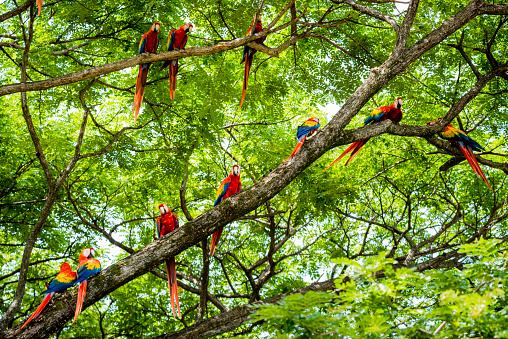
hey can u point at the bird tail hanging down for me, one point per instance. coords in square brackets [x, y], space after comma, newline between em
[39, 309]
[215, 240]
[39, 4]
[140, 89]
[81, 298]
[471, 159]
[172, 284]
[248, 63]
[297, 147]
[173, 71]
[354, 148]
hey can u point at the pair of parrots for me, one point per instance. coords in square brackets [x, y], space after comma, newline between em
[87, 267]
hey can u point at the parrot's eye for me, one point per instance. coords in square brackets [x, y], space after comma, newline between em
[86, 252]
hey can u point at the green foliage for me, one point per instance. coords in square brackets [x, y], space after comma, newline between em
[380, 299]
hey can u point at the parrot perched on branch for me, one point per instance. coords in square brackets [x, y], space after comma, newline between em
[64, 280]
[166, 223]
[466, 145]
[228, 187]
[248, 53]
[391, 112]
[304, 131]
[88, 267]
[148, 44]
[177, 40]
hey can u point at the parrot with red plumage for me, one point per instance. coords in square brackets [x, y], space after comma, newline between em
[466, 145]
[148, 44]
[228, 187]
[248, 53]
[304, 131]
[166, 223]
[177, 40]
[392, 112]
[64, 280]
[87, 267]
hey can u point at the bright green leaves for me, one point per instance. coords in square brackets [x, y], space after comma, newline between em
[377, 300]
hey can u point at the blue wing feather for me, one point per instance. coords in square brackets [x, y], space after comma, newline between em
[304, 130]
[221, 194]
[158, 223]
[172, 42]
[142, 47]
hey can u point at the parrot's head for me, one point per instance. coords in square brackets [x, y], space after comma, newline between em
[258, 17]
[163, 208]
[65, 267]
[156, 26]
[87, 253]
[316, 120]
[188, 27]
[398, 103]
[236, 170]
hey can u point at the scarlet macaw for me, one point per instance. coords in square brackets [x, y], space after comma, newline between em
[148, 44]
[466, 145]
[177, 40]
[304, 130]
[248, 53]
[64, 280]
[228, 187]
[166, 223]
[88, 267]
[391, 112]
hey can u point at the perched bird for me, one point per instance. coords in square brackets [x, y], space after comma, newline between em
[391, 112]
[304, 130]
[248, 53]
[39, 4]
[88, 267]
[166, 223]
[64, 280]
[177, 40]
[148, 44]
[466, 145]
[228, 187]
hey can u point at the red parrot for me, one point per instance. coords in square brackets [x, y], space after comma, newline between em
[391, 112]
[148, 44]
[39, 4]
[228, 187]
[166, 223]
[466, 145]
[88, 267]
[303, 132]
[64, 280]
[248, 53]
[177, 40]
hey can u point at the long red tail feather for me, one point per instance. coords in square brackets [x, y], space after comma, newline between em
[39, 4]
[81, 298]
[215, 240]
[39, 309]
[297, 148]
[140, 90]
[173, 71]
[351, 147]
[172, 284]
[471, 159]
[356, 150]
[248, 63]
